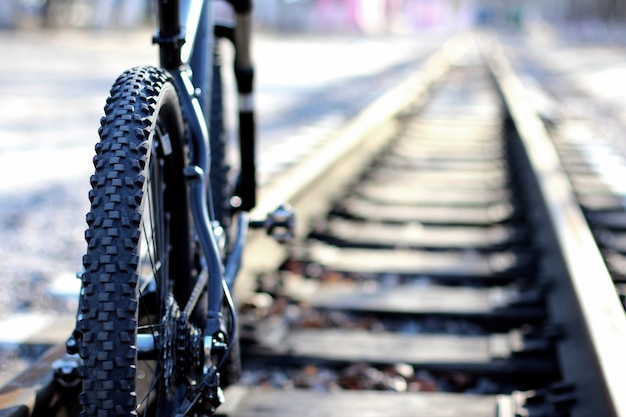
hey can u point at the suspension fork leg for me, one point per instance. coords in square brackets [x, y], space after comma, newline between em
[244, 74]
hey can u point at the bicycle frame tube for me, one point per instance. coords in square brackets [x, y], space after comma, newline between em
[180, 21]
[194, 15]
[186, 38]
[199, 191]
[200, 52]
[169, 35]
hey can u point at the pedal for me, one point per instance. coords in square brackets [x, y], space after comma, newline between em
[280, 224]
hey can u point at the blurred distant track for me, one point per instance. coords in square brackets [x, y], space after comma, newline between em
[445, 266]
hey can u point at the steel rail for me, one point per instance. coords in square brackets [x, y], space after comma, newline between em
[594, 342]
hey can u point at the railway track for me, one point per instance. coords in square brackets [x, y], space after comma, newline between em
[444, 268]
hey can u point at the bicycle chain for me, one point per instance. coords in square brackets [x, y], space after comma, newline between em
[172, 313]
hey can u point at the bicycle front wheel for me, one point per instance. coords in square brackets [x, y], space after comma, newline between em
[141, 256]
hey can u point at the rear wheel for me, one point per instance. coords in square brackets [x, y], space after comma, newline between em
[141, 256]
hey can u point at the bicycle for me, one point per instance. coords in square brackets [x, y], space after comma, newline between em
[156, 324]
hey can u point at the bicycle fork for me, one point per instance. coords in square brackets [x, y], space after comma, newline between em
[207, 396]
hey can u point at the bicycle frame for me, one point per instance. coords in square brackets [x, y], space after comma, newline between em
[190, 65]
[181, 20]
[200, 319]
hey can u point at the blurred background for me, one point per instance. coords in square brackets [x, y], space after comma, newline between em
[361, 16]
[319, 62]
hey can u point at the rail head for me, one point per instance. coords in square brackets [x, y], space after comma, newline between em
[595, 339]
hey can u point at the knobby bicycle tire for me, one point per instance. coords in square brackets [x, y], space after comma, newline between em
[141, 253]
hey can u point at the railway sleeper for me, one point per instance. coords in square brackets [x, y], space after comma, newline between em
[352, 207]
[554, 401]
[444, 266]
[508, 354]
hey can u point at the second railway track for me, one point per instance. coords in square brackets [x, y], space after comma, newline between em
[442, 270]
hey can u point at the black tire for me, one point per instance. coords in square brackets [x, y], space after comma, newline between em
[140, 252]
